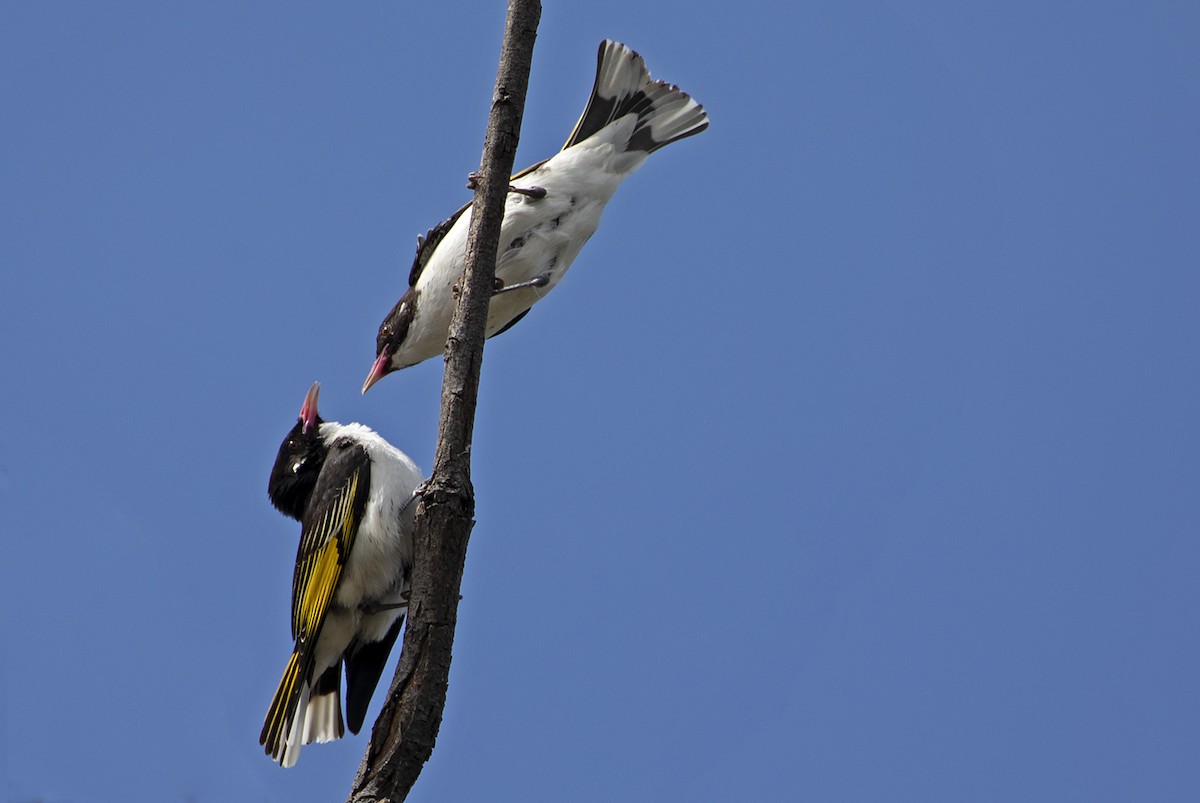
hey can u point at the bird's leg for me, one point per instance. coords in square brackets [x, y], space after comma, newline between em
[379, 607]
[540, 280]
[536, 193]
[497, 286]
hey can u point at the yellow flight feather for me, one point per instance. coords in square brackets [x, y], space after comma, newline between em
[318, 570]
[321, 565]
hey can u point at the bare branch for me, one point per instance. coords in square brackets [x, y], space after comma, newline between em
[403, 737]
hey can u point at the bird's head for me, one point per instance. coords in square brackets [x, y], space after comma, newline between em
[299, 461]
[389, 343]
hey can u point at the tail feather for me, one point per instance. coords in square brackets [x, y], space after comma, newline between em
[280, 728]
[323, 715]
[623, 86]
[300, 712]
[364, 665]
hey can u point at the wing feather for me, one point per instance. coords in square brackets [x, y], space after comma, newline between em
[327, 535]
[428, 243]
[324, 546]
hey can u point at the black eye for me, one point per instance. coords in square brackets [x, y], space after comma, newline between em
[291, 444]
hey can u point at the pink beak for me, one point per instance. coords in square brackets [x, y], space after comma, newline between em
[308, 413]
[379, 370]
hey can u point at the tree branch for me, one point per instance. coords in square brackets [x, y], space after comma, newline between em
[404, 734]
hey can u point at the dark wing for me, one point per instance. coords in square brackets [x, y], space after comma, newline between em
[427, 242]
[326, 538]
[329, 527]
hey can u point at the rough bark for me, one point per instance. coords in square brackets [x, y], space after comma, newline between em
[403, 737]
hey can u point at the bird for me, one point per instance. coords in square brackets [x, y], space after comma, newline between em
[353, 494]
[551, 210]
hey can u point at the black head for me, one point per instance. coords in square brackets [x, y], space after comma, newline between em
[390, 338]
[299, 462]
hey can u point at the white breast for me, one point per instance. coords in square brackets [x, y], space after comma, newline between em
[539, 236]
[383, 546]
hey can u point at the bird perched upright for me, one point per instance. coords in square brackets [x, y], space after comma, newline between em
[551, 211]
[352, 493]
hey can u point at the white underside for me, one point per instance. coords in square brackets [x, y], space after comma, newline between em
[579, 182]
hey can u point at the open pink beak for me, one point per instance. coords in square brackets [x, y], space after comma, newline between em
[308, 413]
[379, 370]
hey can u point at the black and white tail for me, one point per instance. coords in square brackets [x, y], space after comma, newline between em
[623, 86]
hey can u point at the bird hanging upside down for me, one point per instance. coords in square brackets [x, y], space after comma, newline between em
[551, 211]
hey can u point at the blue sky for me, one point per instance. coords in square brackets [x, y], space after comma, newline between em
[856, 459]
